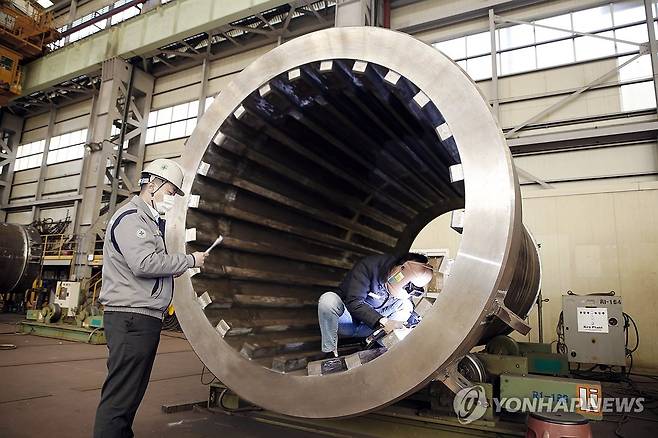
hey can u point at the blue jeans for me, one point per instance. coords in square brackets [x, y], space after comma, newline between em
[336, 321]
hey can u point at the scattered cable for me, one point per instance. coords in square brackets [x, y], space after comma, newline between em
[92, 334]
[628, 318]
[561, 346]
[624, 419]
[51, 226]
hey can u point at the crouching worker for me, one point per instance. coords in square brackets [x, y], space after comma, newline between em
[373, 295]
[137, 289]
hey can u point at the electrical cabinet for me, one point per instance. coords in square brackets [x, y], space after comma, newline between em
[594, 329]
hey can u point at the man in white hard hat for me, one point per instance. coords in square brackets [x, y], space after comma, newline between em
[137, 288]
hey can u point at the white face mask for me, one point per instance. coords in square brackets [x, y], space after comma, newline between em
[165, 205]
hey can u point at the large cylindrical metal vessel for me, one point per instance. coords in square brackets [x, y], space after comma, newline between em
[20, 257]
[336, 145]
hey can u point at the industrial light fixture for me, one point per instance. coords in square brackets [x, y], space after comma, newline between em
[45, 3]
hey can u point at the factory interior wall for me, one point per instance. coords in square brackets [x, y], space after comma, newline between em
[60, 179]
[177, 88]
[595, 236]
[519, 95]
[64, 178]
[597, 226]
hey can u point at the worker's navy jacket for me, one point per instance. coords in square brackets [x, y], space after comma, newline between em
[363, 289]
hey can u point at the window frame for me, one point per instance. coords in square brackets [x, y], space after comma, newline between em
[572, 37]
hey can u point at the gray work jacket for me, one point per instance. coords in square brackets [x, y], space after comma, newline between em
[137, 270]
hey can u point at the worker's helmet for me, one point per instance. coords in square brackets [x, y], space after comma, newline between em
[410, 275]
[167, 170]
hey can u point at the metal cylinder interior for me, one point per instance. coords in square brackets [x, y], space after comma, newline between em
[20, 256]
[329, 148]
[322, 167]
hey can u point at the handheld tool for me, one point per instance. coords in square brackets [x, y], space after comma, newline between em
[214, 244]
[380, 333]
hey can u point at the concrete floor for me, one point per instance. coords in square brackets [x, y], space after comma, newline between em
[51, 388]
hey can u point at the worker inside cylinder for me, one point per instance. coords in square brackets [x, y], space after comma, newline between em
[375, 301]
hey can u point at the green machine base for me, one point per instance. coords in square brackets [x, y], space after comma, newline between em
[67, 332]
[398, 420]
[557, 394]
[503, 352]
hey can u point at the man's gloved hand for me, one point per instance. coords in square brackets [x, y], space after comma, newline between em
[390, 325]
[199, 258]
[414, 319]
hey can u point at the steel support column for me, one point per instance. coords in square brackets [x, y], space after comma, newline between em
[203, 89]
[104, 167]
[494, 65]
[653, 46]
[44, 162]
[358, 13]
[11, 127]
[73, 9]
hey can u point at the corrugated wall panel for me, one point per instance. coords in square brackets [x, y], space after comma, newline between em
[23, 191]
[237, 62]
[177, 80]
[592, 163]
[167, 149]
[25, 176]
[73, 110]
[174, 97]
[217, 84]
[589, 104]
[60, 185]
[19, 217]
[35, 122]
[70, 125]
[64, 169]
[34, 135]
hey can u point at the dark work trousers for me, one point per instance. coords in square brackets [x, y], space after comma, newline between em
[133, 341]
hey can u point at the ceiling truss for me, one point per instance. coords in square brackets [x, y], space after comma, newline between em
[273, 26]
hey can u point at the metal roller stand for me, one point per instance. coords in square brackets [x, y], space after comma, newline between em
[335, 145]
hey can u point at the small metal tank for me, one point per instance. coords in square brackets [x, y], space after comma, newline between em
[20, 256]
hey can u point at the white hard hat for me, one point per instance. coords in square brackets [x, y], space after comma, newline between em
[168, 170]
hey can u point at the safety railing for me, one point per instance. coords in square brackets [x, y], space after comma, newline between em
[95, 283]
[24, 21]
[59, 245]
